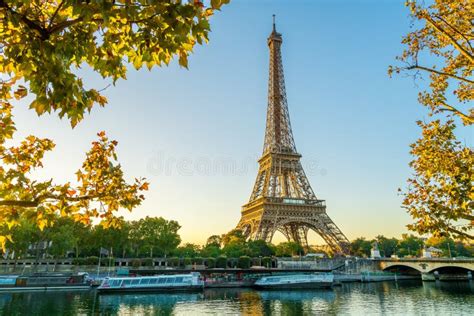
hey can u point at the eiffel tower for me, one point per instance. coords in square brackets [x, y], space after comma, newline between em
[282, 198]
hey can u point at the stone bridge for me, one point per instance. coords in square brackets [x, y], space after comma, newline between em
[430, 268]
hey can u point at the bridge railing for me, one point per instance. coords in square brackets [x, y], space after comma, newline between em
[444, 260]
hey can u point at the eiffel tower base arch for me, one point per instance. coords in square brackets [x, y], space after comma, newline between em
[294, 222]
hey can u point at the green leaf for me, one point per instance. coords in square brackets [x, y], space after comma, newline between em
[183, 60]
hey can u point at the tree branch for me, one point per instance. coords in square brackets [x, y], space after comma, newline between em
[29, 23]
[460, 233]
[143, 20]
[61, 26]
[440, 73]
[19, 203]
[451, 38]
[468, 217]
[454, 29]
[36, 202]
[45, 33]
[451, 108]
[55, 13]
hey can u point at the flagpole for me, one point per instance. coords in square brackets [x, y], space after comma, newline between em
[98, 266]
[111, 255]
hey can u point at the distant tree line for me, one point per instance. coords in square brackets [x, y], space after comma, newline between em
[411, 246]
[157, 237]
[145, 238]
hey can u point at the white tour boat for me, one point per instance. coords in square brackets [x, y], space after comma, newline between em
[172, 282]
[296, 281]
[45, 282]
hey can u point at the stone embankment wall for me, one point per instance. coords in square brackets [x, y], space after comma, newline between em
[343, 265]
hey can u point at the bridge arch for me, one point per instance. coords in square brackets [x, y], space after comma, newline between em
[451, 268]
[428, 265]
[403, 269]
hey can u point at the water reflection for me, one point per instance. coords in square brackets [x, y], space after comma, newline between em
[45, 303]
[298, 302]
[356, 298]
[142, 304]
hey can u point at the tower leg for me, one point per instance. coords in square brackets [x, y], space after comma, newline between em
[296, 233]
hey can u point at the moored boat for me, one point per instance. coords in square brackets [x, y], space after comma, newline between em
[157, 283]
[44, 282]
[296, 281]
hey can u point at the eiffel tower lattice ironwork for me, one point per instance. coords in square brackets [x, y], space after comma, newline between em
[282, 198]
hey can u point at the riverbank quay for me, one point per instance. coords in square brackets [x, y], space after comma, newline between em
[350, 269]
[90, 264]
[240, 278]
[245, 278]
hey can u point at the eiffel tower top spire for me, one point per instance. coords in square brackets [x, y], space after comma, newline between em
[278, 134]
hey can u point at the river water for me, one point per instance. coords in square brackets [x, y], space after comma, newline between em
[388, 298]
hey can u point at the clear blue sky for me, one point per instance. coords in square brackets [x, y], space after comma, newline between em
[181, 128]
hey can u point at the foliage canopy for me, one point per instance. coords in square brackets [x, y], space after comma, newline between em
[43, 43]
[440, 194]
[440, 197]
[446, 34]
[100, 189]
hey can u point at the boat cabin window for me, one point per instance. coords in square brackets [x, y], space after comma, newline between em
[52, 281]
[7, 281]
[179, 280]
[170, 280]
[153, 281]
[145, 281]
[162, 280]
[127, 282]
[47, 280]
[115, 283]
[135, 282]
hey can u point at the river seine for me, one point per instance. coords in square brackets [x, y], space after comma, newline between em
[388, 298]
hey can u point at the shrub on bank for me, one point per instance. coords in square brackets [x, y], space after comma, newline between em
[244, 262]
[173, 262]
[211, 263]
[136, 263]
[221, 262]
[79, 261]
[187, 261]
[197, 260]
[91, 261]
[267, 262]
[256, 261]
[148, 262]
[107, 261]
